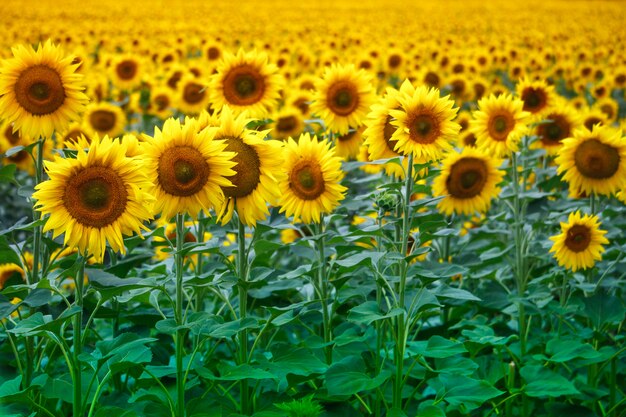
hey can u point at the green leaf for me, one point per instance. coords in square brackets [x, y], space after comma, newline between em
[463, 393]
[429, 410]
[342, 378]
[60, 389]
[439, 347]
[542, 382]
[7, 173]
[566, 350]
[236, 373]
[604, 308]
[368, 312]
[7, 254]
[359, 258]
[455, 293]
[10, 387]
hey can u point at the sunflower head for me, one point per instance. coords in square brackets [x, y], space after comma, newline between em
[103, 118]
[579, 245]
[537, 96]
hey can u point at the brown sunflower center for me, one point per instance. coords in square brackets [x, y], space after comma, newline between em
[182, 171]
[394, 61]
[578, 238]
[342, 98]
[247, 171]
[173, 80]
[244, 85]
[592, 121]
[347, 137]
[432, 79]
[469, 140]
[554, 131]
[535, 99]
[12, 137]
[193, 93]
[467, 178]
[95, 196]
[596, 160]
[306, 180]
[102, 120]
[189, 237]
[39, 90]
[162, 102]
[286, 124]
[74, 134]
[388, 131]
[126, 69]
[500, 126]
[213, 53]
[423, 127]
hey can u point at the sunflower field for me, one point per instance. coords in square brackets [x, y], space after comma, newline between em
[312, 209]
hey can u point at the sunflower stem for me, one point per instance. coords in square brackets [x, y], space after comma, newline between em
[199, 264]
[323, 288]
[401, 319]
[378, 324]
[77, 337]
[180, 333]
[37, 214]
[242, 265]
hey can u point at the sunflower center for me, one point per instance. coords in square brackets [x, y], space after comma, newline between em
[470, 140]
[423, 128]
[286, 124]
[590, 122]
[347, 137]
[596, 160]
[247, 171]
[244, 85]
[213, 53]
[39, 90]
[388, 131]
[553, 132]
[193, 93]
[578, 238]
[95, 196]
[12, 137]
[500, 126]
[534, 99]
[102, 120]
[467, 178]
[182, 171]
[306, 180]
[126, 69]
[342, 98]
[162, 102]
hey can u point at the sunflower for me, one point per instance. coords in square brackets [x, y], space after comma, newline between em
[246, 81]
[468, 181]
[311, 185]
[186, 167]
[193, 95]
[609, 107]
[126, 72]
[161, 102]
[72, 134]
[594, 161]
[9, 270]
[537, 96]
[161, 253]
[40, 91]
[499, 124]
[559, 123]
[104, 119]
[288, 122]
[257, 172]
[424, 124]
[343, 97]
[594, 116]
[95, 198]
[347, 146]
[579, 245]
[10, 139]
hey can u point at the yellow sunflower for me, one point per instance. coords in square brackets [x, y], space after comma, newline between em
[288, 122]
[594, 161]
[499, 124]
[186, 167]
[193, 95]
[40, 91]
[559, 123]
[347, 146]
[579, 245]
[126, 71]
[95, 198]
[161, 253]
[343, 97]
[104, 119]
[10, 139]
[537, 96]
[311, 185]
[425, 126]
[161, 102]
[71, 135]
[257, 172]
[246, 81]
[468, 181]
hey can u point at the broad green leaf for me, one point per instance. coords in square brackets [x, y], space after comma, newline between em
[343, 377]
[359, 258]
[7, 254]
[439, 347]
[429, 410]
[542, 382]
[235, 373]
[566, 350]
[463, 393]
[604, 308]
[368, 312]
[10, 387]
[455, 293]
[7, 173]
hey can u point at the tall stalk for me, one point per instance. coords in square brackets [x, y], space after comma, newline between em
[180, 333]
[242, 275]
[78, 337]
[322, 284]
[401, 336]
[37, 215]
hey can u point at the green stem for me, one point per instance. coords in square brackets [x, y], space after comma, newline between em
[323, 288]
[180, 333]
[401, 319]
[242, 265]
[37, 215]
[77, 338]
[613, 386]
[199, 264]
[379, 324]
[97, 393]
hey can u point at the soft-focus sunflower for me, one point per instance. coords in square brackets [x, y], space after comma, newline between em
[594, 161]
[579, 245]
[468, 181]
[537, 96]
[126, 72]
[609, 107]
[187, 169]
[71, 135]
[288, 122]
[342, 98]
[10, 139]
[193, 95]
[161, 102]
[95, 198]
[594, 116]
[467, 139]
[104, 119]
[257, 172]
[246, 81]
[40, 91]
[559, 123]
[499, 124]
[347, 146]
[425, 126]
[311, 185]
[7, 271]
